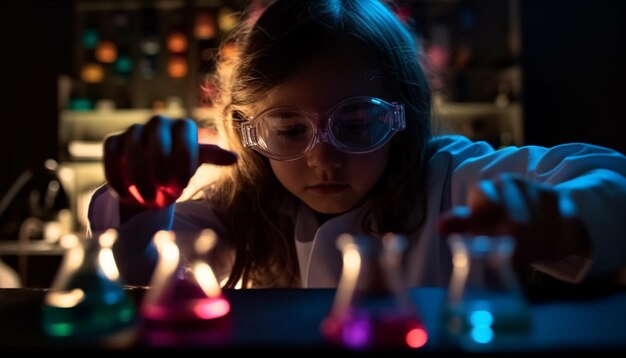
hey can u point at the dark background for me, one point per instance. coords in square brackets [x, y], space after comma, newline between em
[574, 71]
[35, 50]
[573, 58]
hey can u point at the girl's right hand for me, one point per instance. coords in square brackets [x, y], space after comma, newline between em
[149, 165]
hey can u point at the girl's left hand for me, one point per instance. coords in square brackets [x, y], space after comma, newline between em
[529, 212]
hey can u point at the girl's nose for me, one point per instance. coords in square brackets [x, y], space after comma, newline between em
[324, 156]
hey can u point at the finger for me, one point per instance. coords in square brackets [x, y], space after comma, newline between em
[486, 212]
[517, 199]
[138, 170]
[185, 152]
[485, 206]
[531, 217]
[551, 222]
[114, 165]
[481, 209]
[454, 220]
[158, 139]
[213, 154]
[483, 195]
[540, 232]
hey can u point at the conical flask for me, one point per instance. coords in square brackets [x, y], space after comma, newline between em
[485, 304]
[372, 307]
[184, 304]
[87, 301]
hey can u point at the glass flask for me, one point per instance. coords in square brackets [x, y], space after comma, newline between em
[372, 308]
[485, 306]
[87, 301]
[184, 304]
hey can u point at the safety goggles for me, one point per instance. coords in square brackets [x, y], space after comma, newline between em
[357, 125]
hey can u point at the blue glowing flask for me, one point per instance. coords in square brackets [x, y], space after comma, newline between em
[184, 304]
[485, 306]
[372, 308]
[87, 300]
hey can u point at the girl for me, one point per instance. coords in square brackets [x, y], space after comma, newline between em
[328, 111]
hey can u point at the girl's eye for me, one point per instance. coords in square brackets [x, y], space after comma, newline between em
[292, 131]
[288, 125]
[356, 124]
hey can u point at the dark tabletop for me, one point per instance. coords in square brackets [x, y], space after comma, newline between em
[289, 319]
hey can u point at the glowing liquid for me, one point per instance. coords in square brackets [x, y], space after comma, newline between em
[164, 196]
[104, 309]
[486, 320]
[364, 329]
[184, 314]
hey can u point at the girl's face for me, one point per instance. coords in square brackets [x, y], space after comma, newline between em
[326, 179]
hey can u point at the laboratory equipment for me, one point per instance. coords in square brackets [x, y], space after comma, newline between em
[87, 301]
[372, 307]
[486, 307]
[184, 304]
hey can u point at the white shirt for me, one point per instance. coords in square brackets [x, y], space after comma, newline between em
[590, 180]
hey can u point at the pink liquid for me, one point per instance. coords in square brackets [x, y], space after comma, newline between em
[185, 315]
[164, 196]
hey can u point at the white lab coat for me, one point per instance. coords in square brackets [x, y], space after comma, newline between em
[588, 178]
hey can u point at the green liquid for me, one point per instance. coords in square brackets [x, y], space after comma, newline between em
[88, 319]
[105, 309]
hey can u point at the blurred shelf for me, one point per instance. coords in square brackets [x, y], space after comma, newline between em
[499, 125]
[32, 248]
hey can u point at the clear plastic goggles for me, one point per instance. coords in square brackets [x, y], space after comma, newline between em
[357, 125]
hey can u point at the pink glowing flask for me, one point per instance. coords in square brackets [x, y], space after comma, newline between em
[184, 304]
[372, 308]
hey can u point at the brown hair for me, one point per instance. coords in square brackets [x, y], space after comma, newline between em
[289, 33]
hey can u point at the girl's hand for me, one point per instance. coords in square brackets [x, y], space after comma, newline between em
[150, 165]
[530, 212]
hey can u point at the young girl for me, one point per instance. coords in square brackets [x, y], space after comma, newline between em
[328, 111]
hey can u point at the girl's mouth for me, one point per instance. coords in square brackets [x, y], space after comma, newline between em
[326, 189]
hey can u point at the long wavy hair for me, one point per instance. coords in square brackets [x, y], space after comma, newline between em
[286, 36]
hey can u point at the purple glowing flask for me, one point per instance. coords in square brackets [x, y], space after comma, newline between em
[372, 308]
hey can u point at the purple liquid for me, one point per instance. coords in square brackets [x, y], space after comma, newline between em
[363, 329]
[185, 315]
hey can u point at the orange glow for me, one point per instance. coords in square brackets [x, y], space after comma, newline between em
[206, 279]
[229, 50]
[65, 299]
[349, 275]
[416, 338]
[177, 42]
[204, 27]
[210, 308]
[177, 66]
[106, 260]
[106, 52]
[92, 73]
